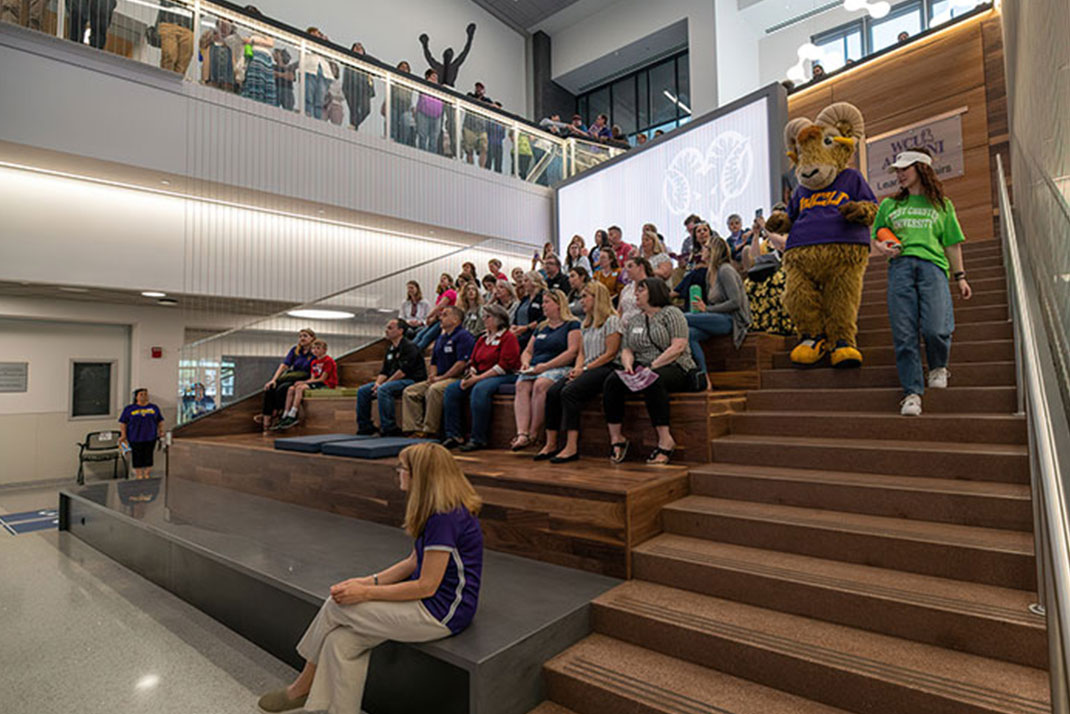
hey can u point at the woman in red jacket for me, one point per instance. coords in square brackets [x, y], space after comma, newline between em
[495, 360]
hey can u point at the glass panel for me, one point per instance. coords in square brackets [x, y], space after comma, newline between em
[854, 46]
[832, 54]
[499, 145]
[683, 83]
[362, 94]
[598, 103]
[887, 32]
[540, 159]
[91, 389]
[944, 10]
[37, 15]
[624, 105]
[663, 92]
[430, 116]
[643, 101]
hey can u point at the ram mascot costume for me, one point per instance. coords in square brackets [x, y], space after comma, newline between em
[827, 224]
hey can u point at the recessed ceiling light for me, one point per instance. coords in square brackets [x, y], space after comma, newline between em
[165, 182]
[74, 290]
[321, 314]
[167, 301]
[153, 293]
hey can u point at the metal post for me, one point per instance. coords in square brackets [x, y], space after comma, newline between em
[516, 153]
[61, 19]
[458, 132]
[300, 78]
[387, 106]
[192, 69]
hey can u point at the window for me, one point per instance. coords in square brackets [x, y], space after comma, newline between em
[904, 18]
[656, 97]
[91, 389]
[840, 45]
[941, 11]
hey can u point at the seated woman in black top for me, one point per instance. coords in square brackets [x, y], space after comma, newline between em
[529, 313]
[545, 360]
[296, 366]
[657, 338]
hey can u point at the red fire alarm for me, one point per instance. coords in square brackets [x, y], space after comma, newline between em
[157, 352]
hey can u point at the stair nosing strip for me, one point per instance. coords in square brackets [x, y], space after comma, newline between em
[589, 668]
[833, 658]
[801, 522]
[850, 586]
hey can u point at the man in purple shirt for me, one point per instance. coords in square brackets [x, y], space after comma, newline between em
[421, 413]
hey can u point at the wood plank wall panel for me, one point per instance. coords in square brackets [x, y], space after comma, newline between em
[959, 67]
[998, 121]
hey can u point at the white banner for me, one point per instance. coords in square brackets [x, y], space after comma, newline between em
[941, 135]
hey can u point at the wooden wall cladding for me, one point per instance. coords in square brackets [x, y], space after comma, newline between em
[961, 67]
[588, 518]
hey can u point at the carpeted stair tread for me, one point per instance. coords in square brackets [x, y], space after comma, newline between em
[958, 427]
[881, 336]
[603, 675]
[804, 656]
[965, 352]
[997, 400]
[963, 316]
[822, 376]
[988, 539]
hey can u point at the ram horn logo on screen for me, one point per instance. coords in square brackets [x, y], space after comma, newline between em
[704, 184]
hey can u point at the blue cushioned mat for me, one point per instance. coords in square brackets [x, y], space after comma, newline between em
[311, 444]
[370, 448]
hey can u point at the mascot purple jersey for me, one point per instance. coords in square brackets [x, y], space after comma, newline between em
[816, 216]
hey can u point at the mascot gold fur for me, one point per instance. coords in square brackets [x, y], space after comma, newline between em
[827, 224]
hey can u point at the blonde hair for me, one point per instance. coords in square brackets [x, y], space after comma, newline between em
[603, 305]
[311, 333]
[462, 299]
[720, 255]
[536, 277]
[508, 288]
[436, 485]
[562, 302]
[659, 247]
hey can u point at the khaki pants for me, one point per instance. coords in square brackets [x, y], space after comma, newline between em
[422, 406]
[176, 45]
[340, 640]
[11, 11]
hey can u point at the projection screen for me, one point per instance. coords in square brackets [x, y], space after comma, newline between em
[727, 161]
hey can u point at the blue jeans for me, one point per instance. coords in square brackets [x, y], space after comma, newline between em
[315, 93]
[919, 304]
[428, 132]
[388, 392]
[427, 334]
[479, 400]
[702, 326]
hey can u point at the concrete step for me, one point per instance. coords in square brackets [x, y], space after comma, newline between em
[879, 305]
[968, 617]
[1005, 463]
[838, 666]
[986, 504]
[963, 316]
[977, 374]
[961, 352]
[954, 399]
[981, 555]
[603, 675]
[960, 428]
[969, 332]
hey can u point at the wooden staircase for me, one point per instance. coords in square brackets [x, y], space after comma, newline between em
[835, 556]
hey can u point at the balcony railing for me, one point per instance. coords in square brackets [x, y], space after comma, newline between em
[222, 45]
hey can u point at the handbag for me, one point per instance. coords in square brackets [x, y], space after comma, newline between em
[696, 378]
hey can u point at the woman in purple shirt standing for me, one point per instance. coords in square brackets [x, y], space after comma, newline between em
[429, 595]
[429, 118]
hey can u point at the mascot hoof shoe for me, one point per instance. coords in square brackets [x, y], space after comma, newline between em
[845, 356]
[809, 351]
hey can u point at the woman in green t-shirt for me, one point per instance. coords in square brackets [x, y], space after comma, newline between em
[926, 248]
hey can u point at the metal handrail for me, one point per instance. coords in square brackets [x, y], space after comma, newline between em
[1052, 526]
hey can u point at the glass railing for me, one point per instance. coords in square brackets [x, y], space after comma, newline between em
[239, 52]
[219, 368]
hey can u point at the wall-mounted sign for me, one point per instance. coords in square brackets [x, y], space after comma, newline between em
[14, 376]
[941, 135]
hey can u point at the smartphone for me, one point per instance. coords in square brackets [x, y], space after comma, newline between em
[758, 213]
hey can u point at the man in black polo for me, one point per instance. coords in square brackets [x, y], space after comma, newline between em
[403, 365]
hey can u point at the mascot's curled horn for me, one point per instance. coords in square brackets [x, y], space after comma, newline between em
[827, 224]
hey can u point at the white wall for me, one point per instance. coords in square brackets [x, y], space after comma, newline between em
[778, 51]
[390, 31]
[737, 53]
[37, 436]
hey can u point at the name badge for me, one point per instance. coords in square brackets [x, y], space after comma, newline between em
[638, 330]
[448, 349]
[540, 337]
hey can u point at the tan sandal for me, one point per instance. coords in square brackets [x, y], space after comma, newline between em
[279, 701]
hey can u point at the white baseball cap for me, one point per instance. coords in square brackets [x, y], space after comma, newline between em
[908, 158]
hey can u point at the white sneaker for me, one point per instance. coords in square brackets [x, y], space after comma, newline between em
[938, 378]
[911, 405]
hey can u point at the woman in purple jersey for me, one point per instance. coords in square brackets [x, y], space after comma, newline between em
[429, 595]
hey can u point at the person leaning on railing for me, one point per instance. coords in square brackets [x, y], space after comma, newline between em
[494, 362]
[595, 361]
[431, 594]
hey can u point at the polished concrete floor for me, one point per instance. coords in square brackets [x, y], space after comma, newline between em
[80, 633]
